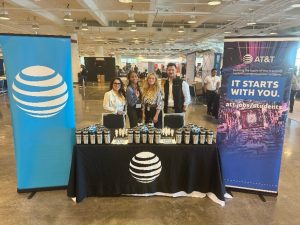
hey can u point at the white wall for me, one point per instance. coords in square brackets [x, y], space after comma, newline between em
[75, 58]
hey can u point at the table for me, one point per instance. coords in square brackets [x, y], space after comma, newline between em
[144, 169]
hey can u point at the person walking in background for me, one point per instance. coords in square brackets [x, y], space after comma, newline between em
[177, 92]
[135, 69]
[163, 71]
[183, 70]
[294, 90]
[152, 101]
[212, 83]
[114, 100]
[134, 99]
[83, 75]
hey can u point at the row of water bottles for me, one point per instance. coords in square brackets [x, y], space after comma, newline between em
[93, 135]
[188, 136]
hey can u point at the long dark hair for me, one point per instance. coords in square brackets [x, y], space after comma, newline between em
[121, 90]
[129, 82]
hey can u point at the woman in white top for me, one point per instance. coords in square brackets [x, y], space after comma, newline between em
[114, 100]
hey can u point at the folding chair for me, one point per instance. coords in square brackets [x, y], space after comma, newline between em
[113, 121]
[173, 120]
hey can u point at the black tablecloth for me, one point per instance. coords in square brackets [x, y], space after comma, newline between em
[104, 170]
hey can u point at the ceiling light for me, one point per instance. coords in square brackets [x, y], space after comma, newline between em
[67, 17]
[130, 19]
[227, 32]
[251, 23]
[4, 15]
[35, 26]
[125, 1]
[135, 38]
[181, 29]
[273, 32]
[192, 20]
[213, 2]
[84, 27]
[132, 28]
[295, 6]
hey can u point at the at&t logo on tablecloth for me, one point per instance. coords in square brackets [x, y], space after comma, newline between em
[40, 91]
[145, 167]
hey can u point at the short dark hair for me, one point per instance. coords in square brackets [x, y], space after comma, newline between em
[171, 64]
[213, 69]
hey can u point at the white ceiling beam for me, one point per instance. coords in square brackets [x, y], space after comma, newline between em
[94, 11]
[151, 17]
[11, 27]
[215, 12]
[34, 8]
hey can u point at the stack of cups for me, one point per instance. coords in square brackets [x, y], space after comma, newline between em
[137, 136]
[78, 137]
[195, 138]
[178, 136]
[99, 136]
[195, 131]
[187, 136]
[144, 137]
[157, 136]
[130, 136]
[202, 137]
[151, 136]
[92, 137]
[107, 136]
[210, 136]
[85, 137]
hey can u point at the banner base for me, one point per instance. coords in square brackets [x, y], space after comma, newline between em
[251, 191]
[41, 189]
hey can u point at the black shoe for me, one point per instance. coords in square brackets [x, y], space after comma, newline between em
[291, 111]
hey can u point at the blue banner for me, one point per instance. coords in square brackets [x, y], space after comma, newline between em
[39, 75]
[253, 109]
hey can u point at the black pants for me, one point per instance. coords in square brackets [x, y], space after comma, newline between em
[215, 111]
[134, 115]
[211, 97]
[149, 117]
[212, 103]
[292, 99]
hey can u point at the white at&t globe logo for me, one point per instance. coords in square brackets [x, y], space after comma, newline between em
[247, 59]
[40, 91]
[145, 167]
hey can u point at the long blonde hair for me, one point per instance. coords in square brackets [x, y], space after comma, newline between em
[146, 87]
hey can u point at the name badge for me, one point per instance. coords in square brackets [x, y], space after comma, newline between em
[148, 108]
[138, 106]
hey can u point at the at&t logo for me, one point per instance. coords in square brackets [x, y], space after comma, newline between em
[40, 91]
[248, 59]
[145, 167]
